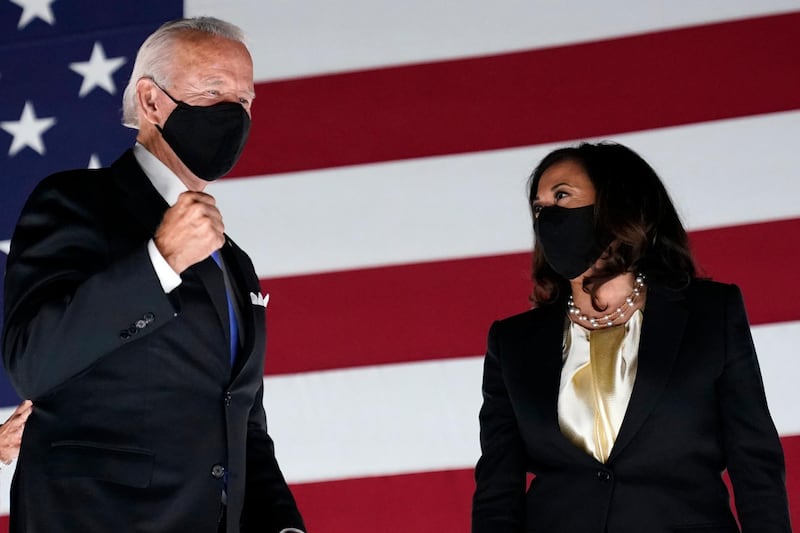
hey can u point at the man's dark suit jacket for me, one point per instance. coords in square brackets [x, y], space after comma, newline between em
[697, 407]
[139, 422]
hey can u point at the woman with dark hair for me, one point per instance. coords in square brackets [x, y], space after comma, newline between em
[632, 385]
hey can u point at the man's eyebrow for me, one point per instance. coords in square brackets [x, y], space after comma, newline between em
[217, 81]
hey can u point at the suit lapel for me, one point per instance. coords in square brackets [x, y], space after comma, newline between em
[664, 322]
[211, 277]
[240, 272]
[542, 349]
[145, 206]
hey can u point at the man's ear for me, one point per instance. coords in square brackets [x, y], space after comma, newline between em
[149, 102]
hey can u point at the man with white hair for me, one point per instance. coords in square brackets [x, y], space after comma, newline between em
[138, 327]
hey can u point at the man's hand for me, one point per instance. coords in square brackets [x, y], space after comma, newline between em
[11, 432]
[190, 231]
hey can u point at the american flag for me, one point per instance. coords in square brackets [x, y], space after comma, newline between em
[382, 196]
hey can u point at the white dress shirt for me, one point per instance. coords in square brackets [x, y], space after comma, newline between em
[169, 186]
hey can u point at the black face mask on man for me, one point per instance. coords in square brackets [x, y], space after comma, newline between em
[567, 239]
[208, 139]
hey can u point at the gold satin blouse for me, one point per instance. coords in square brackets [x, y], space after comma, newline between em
[597, 378]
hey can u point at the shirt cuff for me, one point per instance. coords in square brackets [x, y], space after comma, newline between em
[169, 278]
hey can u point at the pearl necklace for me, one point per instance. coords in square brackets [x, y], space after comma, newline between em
[609, 319]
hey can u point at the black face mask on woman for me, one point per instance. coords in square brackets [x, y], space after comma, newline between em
[567, 239]
[208, 139]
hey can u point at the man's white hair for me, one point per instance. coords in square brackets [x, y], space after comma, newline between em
[154, 59]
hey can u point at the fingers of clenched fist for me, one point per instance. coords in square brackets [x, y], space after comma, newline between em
[11, 432]
[190, 230]
[17, 419]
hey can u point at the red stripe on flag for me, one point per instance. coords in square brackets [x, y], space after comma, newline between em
[444, 309]
[393, 314]
[653, 80]
[418, 503]
[761, 259]
[791, 451]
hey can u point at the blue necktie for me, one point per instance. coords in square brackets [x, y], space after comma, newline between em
[231, 312]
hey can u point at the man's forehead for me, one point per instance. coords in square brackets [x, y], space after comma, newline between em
[192, 46]
[213, 61]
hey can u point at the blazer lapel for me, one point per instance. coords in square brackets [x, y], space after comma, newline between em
[664, 322]
[140, 198]
[542, 350]
[211, 277]
[239, 268]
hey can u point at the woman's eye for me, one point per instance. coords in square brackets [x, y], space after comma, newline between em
[560, 195]
[536, 209]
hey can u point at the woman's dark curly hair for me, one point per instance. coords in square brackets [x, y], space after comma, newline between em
[632, 211]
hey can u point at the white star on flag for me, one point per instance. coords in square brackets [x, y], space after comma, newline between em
[32, 9]
[94, 161]
[28, 130]
[5, 246]
[97, 72]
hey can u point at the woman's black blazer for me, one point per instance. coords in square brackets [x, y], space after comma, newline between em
[697, 408]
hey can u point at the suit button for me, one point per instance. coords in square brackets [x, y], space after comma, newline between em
[140, 324]
[218, 471]
[149, 317]
[124, 335]
[603, 476]
[132, 330]
[228, 397]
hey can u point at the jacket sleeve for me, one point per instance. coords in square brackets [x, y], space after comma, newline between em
[498, 505]
[269, 506]
[67, 303]
[752, 446]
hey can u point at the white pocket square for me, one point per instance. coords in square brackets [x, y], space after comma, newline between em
[259, 299]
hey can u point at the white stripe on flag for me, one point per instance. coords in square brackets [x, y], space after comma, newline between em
[719, 173]
[777, 345]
